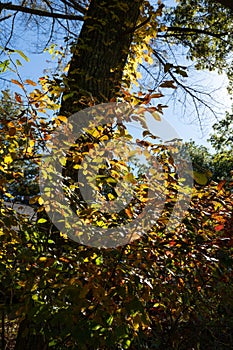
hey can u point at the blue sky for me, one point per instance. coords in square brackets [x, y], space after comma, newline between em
[180, 117]
[182, 120]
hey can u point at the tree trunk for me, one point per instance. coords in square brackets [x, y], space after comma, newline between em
[100, 54]
[27, 340]
[95, 73]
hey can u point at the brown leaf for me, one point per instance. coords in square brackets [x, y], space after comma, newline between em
[168, 84]
[221, 184]
[18, 98]
[17, 83]
[12, 131]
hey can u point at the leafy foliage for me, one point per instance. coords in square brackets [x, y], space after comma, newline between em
[164, 290]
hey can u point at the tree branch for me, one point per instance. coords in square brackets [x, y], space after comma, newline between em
[11, 7]
[74, 4]
[189, 90]
[4, 18]
[195, 31]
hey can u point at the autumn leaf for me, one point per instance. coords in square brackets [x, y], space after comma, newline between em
[30, 82]
[221, 184]
[62, 118]
[156, 116]
[18, 98]
[168, 84]
[219, 227]
[17, 83]
[12, 131]
[8, 159]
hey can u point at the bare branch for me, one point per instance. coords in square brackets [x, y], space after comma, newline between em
[189, 90]
[73, 3]
[41, 13]
[4, 18]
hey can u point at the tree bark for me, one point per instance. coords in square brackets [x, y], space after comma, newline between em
[27, 340]
[100, 54]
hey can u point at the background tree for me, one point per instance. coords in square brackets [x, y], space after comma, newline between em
[20, 176]
[222, 142]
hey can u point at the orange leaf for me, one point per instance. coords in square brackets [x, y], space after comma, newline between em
[128, 213]
[157, 95]
[219, 227]
[11, 125]
[62, 118]
[30, 82]
[18, 97]
[221, 184]
[17, 83]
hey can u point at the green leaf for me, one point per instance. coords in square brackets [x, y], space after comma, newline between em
[127, 344]
[200, 178]
[99, 260]
[41, 221]
[23, 55]
[110, 320]
[95, 328]
[18, 62]
[4, 65]
[35, 297]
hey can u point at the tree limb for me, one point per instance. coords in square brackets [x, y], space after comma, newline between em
[18, 8]
[189, 90]
[194, 31]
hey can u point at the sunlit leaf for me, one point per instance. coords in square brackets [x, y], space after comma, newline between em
[30, 82]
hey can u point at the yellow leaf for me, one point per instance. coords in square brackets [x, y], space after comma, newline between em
[34, 199]
[62, 118]
[156, 116]
[31, 143]
[8, 159]
[62, 160]
[43, 258]
[67, 68]
[40, 201]
[41, 221]
[77, 166]
[63, 235]
[22, 54]
[149, 59]
[130, 178]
